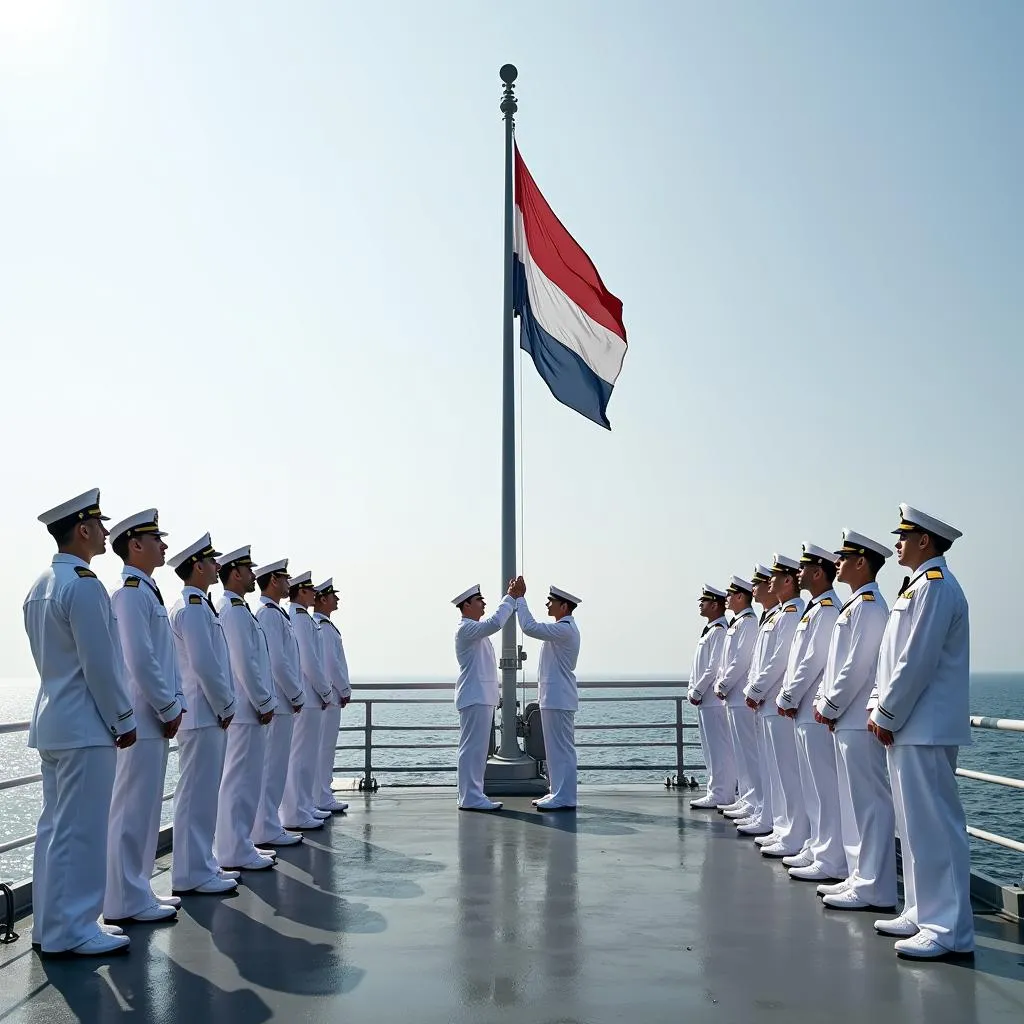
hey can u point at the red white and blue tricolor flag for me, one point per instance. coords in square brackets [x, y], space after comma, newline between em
[568, 321]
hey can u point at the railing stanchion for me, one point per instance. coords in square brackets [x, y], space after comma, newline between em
[368, 752]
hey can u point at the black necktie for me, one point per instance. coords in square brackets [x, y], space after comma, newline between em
[212, 609]
[904, 585]
[156, 590]
[704, 630]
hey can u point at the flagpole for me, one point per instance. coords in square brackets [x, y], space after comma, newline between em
[511, 770]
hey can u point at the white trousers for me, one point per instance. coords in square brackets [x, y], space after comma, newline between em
[716, 743]
[328, 741]
[300, 788]
[267, 826]
[200, 763]
[240, 786]
[560, 755]
[816, 759]
[788, 814]
[868, 820]
[134, 827]
[475, 723]
[69, 867]
[933, 840]
[744, 727]
[762, 777]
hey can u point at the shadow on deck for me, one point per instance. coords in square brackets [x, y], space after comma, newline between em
[636, 908]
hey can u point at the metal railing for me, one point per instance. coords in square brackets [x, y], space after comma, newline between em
[678, 744]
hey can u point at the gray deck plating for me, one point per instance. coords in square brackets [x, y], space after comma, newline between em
[634, 909]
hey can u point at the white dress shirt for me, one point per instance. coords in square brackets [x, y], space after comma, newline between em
[249, 661]
[82, 700]
[777, 631]
[283, 651]
[314, 681]
[203, 664]
[852, 659]
[151, 669]
[335, 663]
[707, 656]
[556, 671]
[924, 663]
[807, 656]
[737, 653]
[478, 668]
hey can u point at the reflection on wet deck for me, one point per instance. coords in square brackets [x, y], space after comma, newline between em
[635, 908]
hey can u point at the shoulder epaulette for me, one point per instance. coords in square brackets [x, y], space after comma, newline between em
[934, 574]
[826, 602]
[792, 608]
[194, 599]
[237, 602]
[717, 625]
[132, 581]
[867, 596]
[83, 573]
[301, 610]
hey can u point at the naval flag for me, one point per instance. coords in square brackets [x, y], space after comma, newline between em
[568, 321]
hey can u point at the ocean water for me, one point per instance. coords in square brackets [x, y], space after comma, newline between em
[997, 809]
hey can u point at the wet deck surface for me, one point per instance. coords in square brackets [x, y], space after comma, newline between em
[634, 909]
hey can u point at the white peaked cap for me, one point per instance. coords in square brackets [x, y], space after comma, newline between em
[737, 583]
[139, 525]
[563, 595]
[762, 573]
[812, 554]
[783, 563]
[710, 591]
[326, 587]
[266, 570]
[303, 579]
[81, 507]
[466, 594]
[912, 519]
[240, 556]
[202, 548]
[857, 544]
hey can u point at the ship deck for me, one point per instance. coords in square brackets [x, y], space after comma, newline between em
[633, 908]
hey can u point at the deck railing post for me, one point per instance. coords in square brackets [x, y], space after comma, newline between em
[679, 739]
[368, 747]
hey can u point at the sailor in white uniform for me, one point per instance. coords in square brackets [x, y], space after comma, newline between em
[922, 719]
[822, 858]
[205, 671]
[865, 801]
[151, 674]
[712, 718]
[336, 669]
[758, 823]
[82, 713]
[789, 820]
[299, 809]
[477, 690]
[733, 670]
[283, 652]
[255, 704]
[556, 691]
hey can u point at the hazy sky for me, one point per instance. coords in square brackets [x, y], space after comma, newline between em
[251, 272]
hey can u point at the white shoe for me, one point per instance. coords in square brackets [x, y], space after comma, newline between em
[923, 947]
[216, 886]
[803, 859]
[284, 839]
[112, 929]
[102, 945]
[778, 850]
[307, 824]
[902, 927]
[255, 863]
[272, 854]
[736, 805]
[833, 890]
[811, 873]
[169, 901]
[321, 815]
[704, 803]
[229, 873]
[542, 800]
[334, 807]
[739, 814]
[493, 805]
[157, 912]
[845, 900]
[765, 838]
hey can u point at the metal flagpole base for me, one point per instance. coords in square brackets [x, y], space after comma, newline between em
[518, 777]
